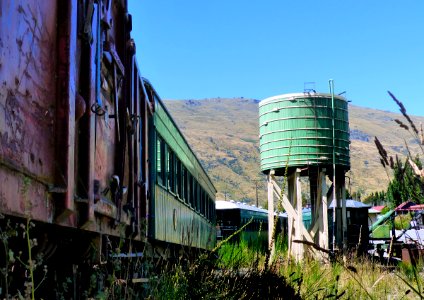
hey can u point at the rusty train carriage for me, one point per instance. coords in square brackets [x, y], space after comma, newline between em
[79, 130]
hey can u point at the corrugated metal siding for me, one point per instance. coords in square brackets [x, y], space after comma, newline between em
[186, 228]
[296, 129]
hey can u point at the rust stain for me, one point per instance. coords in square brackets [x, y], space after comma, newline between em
[15, 123]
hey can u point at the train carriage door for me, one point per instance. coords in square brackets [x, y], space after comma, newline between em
[149, 156]
[134, 128]
[145, 103]
[102, 167]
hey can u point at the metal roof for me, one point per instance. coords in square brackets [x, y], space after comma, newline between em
[352, 204]
[220, 204]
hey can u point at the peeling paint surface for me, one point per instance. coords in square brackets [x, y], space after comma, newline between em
[27, 106]
[27, 80]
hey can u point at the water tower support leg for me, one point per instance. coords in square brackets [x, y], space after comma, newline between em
[299, 223]
[322, 198]
[344, 217]
[290, 207]
[270, 212]
[292, 247]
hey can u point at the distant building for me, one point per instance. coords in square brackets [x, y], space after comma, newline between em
[357, 223]
[373, 215]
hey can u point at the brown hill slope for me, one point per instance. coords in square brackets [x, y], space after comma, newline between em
[224, 135]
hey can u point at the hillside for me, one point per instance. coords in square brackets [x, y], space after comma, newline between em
[224, 135]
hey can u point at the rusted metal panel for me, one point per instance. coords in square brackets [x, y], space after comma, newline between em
[110, 135]
[67, 67]
[30, 197]
[27, 77]
[27, 99]
[102, 142]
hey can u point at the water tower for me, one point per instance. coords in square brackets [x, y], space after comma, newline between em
[307, 136]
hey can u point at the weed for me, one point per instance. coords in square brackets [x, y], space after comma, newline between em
[19, 265]
[5, 234]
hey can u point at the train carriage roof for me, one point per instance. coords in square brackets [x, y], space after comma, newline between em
[168, 129]
[220, 204]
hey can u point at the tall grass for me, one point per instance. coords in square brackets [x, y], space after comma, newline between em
[235, 270]
[239, 273]
[359, 279]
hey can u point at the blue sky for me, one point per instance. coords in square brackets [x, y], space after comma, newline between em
[256, 49]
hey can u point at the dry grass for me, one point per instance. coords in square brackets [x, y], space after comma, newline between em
[286, 279]
[352, 279]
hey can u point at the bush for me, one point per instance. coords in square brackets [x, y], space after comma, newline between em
[403, 222]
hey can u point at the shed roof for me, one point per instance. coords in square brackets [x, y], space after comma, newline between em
[372, 210]
[415, 207]
[350, 203]
[379, 207]
[404, 206]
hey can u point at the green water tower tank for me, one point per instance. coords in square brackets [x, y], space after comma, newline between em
[297, 130]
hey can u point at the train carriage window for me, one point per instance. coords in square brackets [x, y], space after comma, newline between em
[203, 202]
[179, 178]
[185, 185]
[171, 170]
[198, 196]
[211, 205]
[173, 173]
[210, 210]
[191, 189]
[160, 161]
[177, 175]
[206, 206]
[194, 194]
[167, 169]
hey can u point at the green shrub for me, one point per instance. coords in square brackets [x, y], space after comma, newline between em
[403, 221]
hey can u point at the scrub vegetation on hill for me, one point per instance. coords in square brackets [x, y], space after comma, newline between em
[224, 133]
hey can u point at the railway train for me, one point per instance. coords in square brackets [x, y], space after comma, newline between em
[232, 215]
[88, 151]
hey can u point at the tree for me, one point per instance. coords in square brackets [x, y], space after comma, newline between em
[405, 185]
[408, 178]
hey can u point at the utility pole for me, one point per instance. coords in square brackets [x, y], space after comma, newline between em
[331, 84]
[256, 189]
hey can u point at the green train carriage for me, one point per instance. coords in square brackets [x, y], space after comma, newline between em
[182, 201]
